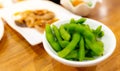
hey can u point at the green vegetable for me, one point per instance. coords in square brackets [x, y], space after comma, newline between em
[89, 58]
[80, 29]
[95, 46]
[50, 37]
[98, 32]
[71, 46]
[64, 34]
[72, 55]
[75, 40]
[56, 32]
[62, 43]
[101, 34]
[90, 53]
[81, 21]
[81, 50]
[88, 27]
[72, 21]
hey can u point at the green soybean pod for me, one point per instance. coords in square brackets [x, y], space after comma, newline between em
[80, 29]
[90, 53]
[74, 27]
[56, 32]
[100, 43]
[89, 35]
[81, 49]
[64, 34]
[62, 43]
[95, 46]
[72, 55]
[101, 34]
[81, 20]
[98, 32]
[72, 21]
[71, 46]
[88, 27]
[89, 58]
[50, 37]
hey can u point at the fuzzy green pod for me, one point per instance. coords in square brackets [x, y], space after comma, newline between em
[71, 46]
[62, 42]
[50, 37]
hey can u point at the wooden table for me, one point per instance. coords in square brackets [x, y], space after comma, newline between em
[17, 55]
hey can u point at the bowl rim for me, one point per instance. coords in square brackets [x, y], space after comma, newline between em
[76, 63]
[1, 28]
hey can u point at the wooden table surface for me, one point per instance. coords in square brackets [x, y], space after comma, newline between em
[17, 55]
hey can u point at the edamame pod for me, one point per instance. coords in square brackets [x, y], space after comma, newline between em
[71, 46]
[81, 21]
[101, 34]
[64, 34]
[98, 32]
[89, 58]
[95, 46]
[50, 37]
[62, 43]
[81, 50]
[56, 32]
[72, 21]
[80, 29]
[72, 55]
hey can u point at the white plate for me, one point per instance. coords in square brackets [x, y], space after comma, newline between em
[1, 28]
[108, 39]
[32, 35]
[6, 3]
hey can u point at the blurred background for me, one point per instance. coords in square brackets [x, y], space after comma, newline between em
[7, 3]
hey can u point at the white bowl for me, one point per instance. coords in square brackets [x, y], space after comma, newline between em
[108, 39]
[1, 28]
[81, 9]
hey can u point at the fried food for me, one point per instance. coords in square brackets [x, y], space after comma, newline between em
[35, 19]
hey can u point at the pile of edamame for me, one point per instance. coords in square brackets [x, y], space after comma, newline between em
[75, 40]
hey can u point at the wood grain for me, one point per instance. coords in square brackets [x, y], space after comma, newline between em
[17, 55]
